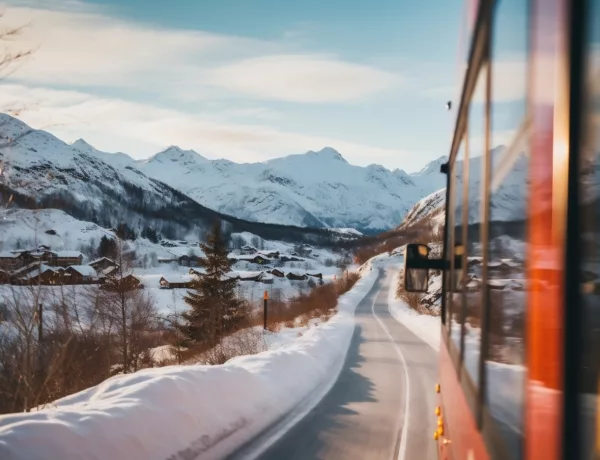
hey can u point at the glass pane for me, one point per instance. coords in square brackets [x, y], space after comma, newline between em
[505, 364]
[449, 252]
[476, 132]
[457, 274]
[590, 211]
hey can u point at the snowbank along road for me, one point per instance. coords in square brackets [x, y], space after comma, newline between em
[380, 407]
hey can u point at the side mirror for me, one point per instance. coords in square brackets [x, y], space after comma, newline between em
[416, 273]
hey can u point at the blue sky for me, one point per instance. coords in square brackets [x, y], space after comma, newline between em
[246, 80]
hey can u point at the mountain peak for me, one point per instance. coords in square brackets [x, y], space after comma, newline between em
[176, 154]
[328, 153]
[82, 145]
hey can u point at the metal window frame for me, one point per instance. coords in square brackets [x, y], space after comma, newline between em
[577, 34]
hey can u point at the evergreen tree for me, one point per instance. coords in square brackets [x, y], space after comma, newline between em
[214, 308]
[107, 248]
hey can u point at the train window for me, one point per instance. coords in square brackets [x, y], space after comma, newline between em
[472, 315]
[506, 293]
[457, 282]
[449, 255]
[590, 245]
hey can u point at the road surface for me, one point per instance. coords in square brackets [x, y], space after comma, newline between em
[365, 414]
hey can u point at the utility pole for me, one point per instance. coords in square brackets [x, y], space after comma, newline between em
[265, 300]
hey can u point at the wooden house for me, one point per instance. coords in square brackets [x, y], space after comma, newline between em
[4, 276]
[127, 283]
[10, 261]
[79, 274]
[315, 275]
[248, 250]
[66, 258]
[267, 278]
[290, 258]
[260, 260]
[20, 276]
[175, 282]
[250, 276]
[276, 272]
[167, 260]
[296, 276]
[40, 274]
[102, 263]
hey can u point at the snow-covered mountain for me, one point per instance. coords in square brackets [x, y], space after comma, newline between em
[315, 189]
[39, 170]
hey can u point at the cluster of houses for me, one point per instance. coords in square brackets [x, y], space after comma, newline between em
[246, 254]
[55, 268]
[178, 281]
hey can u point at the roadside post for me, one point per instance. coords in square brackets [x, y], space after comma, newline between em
[265, 300]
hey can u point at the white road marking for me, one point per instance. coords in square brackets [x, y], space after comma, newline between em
[404, 435]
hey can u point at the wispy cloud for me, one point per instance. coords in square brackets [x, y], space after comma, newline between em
[141, 129]
[302, 78]
[83, 48]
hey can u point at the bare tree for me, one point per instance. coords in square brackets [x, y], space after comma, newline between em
[132, 310]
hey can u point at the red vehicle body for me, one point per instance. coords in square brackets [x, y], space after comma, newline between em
[520, 348]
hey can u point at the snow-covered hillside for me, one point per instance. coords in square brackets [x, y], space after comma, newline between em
[315, 189]
[318, 189]
[40, 171]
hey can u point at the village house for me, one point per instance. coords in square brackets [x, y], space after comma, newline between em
[102, 263]
[127, 283]
[167, 260]
[248, 250]
[4, 277]
[43, 275]
[10, 261]
[20, 276]
[290, 258]
[254, 259]
[296, 276]
[277, 273]
[175, 282]
[108, 272]
[33, 274]
[66, 258]
[79, 274]
[250, 276]
[269, 254]
[267, 278]
[315, 275]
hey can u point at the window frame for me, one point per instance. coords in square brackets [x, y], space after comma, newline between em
[479, 59]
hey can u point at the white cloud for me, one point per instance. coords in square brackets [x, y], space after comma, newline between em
[85, 48]
[140, 129]
[302, 78]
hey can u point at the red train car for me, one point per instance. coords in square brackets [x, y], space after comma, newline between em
[520, 348]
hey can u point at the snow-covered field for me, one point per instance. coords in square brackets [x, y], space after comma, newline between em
[128, 414]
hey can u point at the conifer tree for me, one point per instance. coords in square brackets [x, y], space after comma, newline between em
[214, 307]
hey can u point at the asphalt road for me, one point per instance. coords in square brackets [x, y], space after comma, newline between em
[365, 414]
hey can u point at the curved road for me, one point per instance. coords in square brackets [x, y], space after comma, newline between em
[365, 414]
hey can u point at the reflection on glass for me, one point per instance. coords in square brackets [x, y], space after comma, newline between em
[472, 320]
[457, 295]
[505, 363]
[590, 242]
